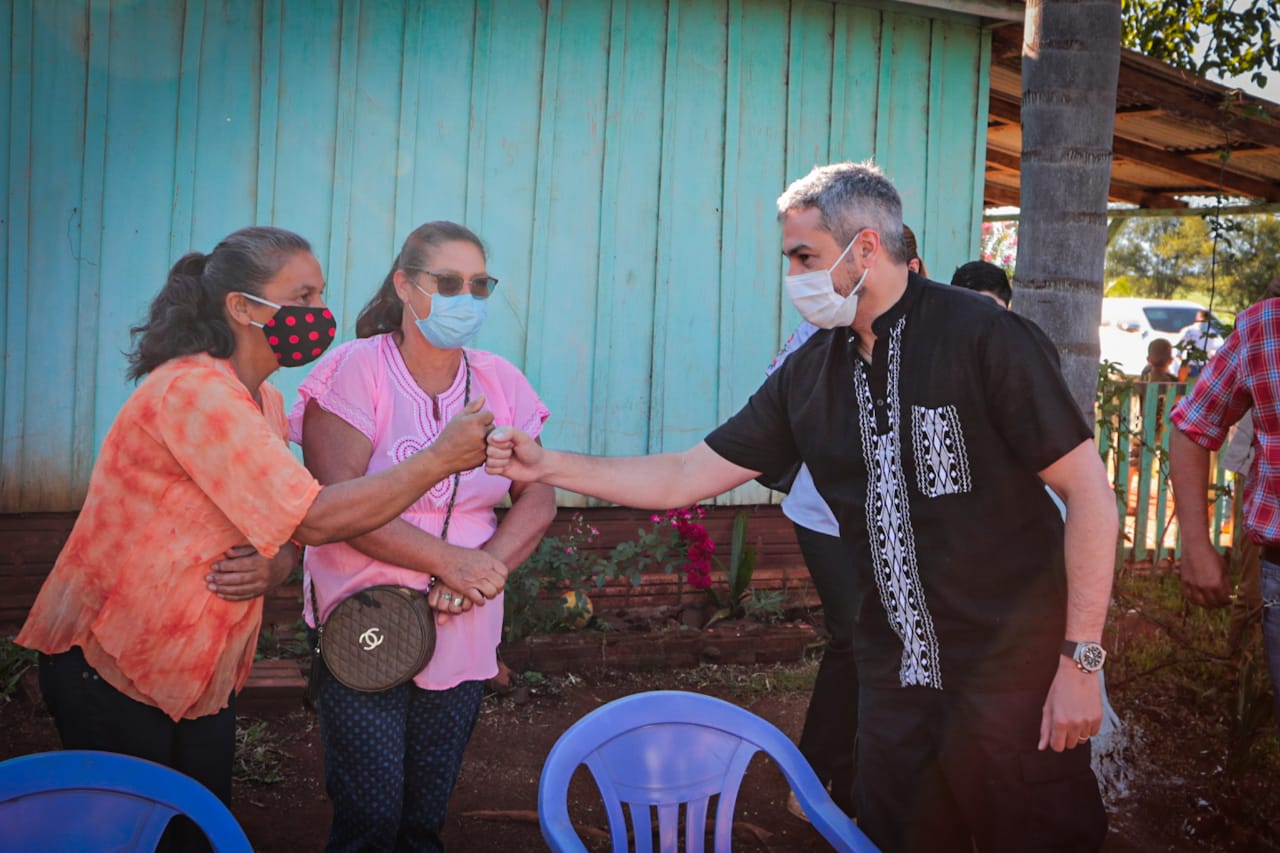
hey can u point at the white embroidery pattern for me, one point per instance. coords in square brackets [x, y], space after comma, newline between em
[450, 401]
[893, 552]
[942, 464]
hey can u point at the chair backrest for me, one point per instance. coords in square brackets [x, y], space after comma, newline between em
[88, 800]
[671, 751]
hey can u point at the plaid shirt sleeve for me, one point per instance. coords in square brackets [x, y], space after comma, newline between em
[1220, 396]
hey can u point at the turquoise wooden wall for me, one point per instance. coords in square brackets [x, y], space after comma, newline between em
[620, 158]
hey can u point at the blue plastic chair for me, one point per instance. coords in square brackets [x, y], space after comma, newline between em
[78, 800]
[672, 751]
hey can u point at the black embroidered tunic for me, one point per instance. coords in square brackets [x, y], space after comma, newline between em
[929, 457]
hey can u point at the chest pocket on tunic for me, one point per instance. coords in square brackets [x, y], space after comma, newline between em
[942, 463]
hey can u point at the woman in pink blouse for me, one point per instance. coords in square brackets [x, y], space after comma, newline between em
[391, 758]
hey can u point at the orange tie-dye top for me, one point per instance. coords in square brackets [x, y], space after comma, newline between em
[190, 468]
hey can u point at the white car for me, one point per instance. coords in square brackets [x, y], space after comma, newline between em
[1129, 324]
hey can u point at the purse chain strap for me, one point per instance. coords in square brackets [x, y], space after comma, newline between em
[448, 513]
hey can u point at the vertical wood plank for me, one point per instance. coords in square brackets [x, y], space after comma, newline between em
[539, 260]
[306, 137]
[138, 184]
[270, 50]
[344, 161]
[628, 227]
[444, 127]
[58, 40]
[13, 439]
[6, 230]
[809, 86]
[181, 239]
[503, 162]
[369, 229]
[411, 57]
[902, 124]
[955, 108]
[754, 175]
[89, 279]
[227, 124]
[563, 362]
[686, 349]
[855, 83]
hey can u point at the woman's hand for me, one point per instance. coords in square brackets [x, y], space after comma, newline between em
[460, 446]
[244, 574]
[446, 602]
[475, 573]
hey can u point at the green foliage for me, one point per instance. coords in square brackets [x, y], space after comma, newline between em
[1172, 257]
[1238, 35]
[1175, 658]
[674, 541]
[736, 601]
[258, 754]
[288, 641]
[570, 562]
[765, 605]
[14, 663]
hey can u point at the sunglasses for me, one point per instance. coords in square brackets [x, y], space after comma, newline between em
[451, 284]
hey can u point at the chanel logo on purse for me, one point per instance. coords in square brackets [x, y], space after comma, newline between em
[371, 639]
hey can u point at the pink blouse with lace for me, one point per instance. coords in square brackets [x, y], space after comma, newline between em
[366, 383]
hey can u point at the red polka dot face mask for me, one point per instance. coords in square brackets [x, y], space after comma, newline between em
[297, 334]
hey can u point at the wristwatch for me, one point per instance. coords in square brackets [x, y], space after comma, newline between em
[1088, 656]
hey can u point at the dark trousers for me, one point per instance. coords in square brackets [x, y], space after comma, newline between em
[944, 771]
[831, 723]
[91, 714]
[391, 760]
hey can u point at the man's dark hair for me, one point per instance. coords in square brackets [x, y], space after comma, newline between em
[983, 277]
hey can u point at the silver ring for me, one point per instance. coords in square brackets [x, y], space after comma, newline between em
[1083, 740]
[448, 598]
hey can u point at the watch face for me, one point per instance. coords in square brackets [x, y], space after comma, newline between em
[1090, 656]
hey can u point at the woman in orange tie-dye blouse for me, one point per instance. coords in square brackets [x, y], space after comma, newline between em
[148, 623]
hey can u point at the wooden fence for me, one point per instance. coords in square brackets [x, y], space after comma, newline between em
[1133, 438]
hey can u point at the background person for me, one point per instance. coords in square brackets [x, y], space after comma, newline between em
[977, 645]
[1238, 380]
[985, 278]
[148, 623]
[1159, 360]
[370, 403]
[1197, 343]
[831, 721]
[1240, 377]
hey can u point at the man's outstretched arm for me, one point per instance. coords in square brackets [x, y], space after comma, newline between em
[661, 481]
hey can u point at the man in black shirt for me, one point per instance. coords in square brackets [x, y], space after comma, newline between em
[931, 420]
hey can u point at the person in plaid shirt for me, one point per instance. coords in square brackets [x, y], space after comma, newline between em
[1243, 376]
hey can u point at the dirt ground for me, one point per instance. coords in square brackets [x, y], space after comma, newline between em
[1177, 797]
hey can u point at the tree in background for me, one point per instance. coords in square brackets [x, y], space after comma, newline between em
[1159, 257]
[1070, 67]
[1167, 257]
[1238, 35]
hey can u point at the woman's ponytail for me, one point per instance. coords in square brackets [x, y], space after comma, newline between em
[384, 311]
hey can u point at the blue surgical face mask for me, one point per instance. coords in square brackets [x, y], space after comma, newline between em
[453, 321]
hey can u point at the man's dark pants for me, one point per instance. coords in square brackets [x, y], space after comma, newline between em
[831, 723]
[944, 771]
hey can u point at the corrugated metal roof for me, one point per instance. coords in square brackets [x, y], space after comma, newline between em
[1171, 131]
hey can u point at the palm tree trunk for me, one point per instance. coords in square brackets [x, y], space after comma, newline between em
[1070, 65]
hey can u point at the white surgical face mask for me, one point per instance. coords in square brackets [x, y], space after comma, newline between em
[814, 295]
